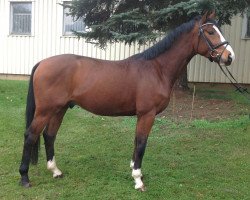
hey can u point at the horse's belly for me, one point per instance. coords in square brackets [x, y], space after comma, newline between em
[109, 110]
[108, 106]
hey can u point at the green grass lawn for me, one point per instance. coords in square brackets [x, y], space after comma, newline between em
[192, 160]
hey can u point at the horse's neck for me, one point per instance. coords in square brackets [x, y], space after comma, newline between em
[173, 61]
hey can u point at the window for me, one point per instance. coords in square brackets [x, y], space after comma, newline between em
[20, 18]
[70, 24]
[248, 23]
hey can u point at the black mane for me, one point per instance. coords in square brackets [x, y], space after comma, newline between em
[166, 43]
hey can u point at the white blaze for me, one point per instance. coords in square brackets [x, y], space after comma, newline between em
[229, 48]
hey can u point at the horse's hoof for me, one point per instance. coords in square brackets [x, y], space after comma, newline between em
[58, 176]
[25, 184]
[142, 189]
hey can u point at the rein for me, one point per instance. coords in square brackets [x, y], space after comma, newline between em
[233, 81]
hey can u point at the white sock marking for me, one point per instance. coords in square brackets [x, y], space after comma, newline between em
[136, 174]
[51, 165]
[132, 163]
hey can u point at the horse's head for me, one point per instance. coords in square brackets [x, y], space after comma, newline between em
[211, 43]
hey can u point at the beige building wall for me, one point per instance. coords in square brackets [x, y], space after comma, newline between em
[19, 53]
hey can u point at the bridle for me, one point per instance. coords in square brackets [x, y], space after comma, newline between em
[214, 54]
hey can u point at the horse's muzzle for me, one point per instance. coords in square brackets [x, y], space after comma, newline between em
[228, 61]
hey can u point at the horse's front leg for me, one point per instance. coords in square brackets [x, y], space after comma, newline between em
[143, 127]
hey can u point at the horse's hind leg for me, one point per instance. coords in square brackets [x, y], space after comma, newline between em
[32, 134]
[143, 127]
[49, 136]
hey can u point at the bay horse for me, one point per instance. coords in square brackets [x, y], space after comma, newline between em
[140, 85]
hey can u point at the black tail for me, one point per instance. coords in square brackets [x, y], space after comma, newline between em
[30, 111]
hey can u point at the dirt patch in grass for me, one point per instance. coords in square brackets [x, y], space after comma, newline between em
[211, 105]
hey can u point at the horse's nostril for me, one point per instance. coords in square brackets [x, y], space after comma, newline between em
[230, 59]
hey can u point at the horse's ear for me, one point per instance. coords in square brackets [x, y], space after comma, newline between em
[204, 17]
[208, 15]
[212, 15]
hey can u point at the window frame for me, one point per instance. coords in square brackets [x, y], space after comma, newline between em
[68, 33]
[246, 25]
[11, 21]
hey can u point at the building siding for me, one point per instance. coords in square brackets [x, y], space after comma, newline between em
[20, 53]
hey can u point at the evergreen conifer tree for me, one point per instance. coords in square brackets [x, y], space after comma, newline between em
[142, 21]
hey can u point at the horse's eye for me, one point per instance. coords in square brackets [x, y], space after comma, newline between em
[211, 32]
